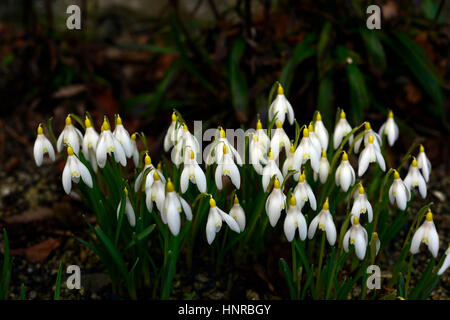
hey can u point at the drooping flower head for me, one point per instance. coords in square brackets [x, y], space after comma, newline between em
[257, 153]
[321, 132]
[324, 221]
[279, 140]
[238, 214]
[294, 219]
[357, 236]
[42, 146]
[270, 170]
[70, 136]
[129, 211]
[192, 173]
[362, 205]
[415, 179]
[427, 234]
[280, 107]
[73, 171]
[367, 133]
[156, 193]
[173, 133]
[399, 192]
[341, 130]
[173, 205]
[275, 203]
[227, 167]
[304, 193]
[390, 129]
[345, 175]
[370, 154]
[324, 168]
[424, 164]
[215, 218]
[108, 144]
[123, 137]
[90, 141]
[289, 162]
[306, 151]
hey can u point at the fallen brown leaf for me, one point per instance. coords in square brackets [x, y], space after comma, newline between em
[35, 214]
[38, 252]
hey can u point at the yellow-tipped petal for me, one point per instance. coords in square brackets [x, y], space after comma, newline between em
[212, 202]
[258, 125]
[319, 116]
[374, 235]
[367, 125]
[40, 130]
[192, 154]
[422, 149]
[174, 117]
[68, 120]
[279, 124]
[305, 133]
[345, 156]
[371, 139]
[69, 151]
[361, 190]
[396, 175]
[155, 175]
[170, 187]
[355, 221]
[118, 120]
[293, 201]
[126, 191]
[301, 178]
[326, 205]
[429, 216]
[236, 200]
[280, 89]
[225, 150]
[324, 154]
[276, 183]
[391, 114]
[148, 160]
[342, 115]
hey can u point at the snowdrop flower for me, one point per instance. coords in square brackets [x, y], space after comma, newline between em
[192, 173]
[390, 129]
[294, 219]
[71, 136]
[427, 234]
[362, 205]
[173, 205]
[324, 221]
[342, 129]
[324, 168]
[134, 150]
[173, 133]
[107, 144]
[270, 170]
[238, 214]
[357, 236]
[424, 164]
[415, 179]
[42, 146]
[314, 139]
[367, 133]
[227, 167]
[399, 192]
[289, 162]
[257, 154]
[215, 152]
[129, 211]
[187, 140]
[321, 132]
[370, 154]
[446, 262]
[90, 141]
[303, 193]
[279, 140]
[275, 203]
[73, 170]
[280, 106]
[123, 137]
[215, 218]
[306, 151]
[345, 175]
[262, 136]
[148, 174]
[156, 193]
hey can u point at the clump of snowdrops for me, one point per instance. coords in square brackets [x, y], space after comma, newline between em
[334, 188]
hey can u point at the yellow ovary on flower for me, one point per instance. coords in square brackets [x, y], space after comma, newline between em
[212, 202]
[148, 160]
[345, 156]
[319, 116]
[276, 183]
[259, 125]
[87, 122]
[40, 130]
[68, 120]
[170, 187]
[280, 89]
[305, 133]
[174, 117]
[342, 115]
[279, 124]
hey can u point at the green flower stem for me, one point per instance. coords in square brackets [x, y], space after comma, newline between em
[319, 267]
[408, 278]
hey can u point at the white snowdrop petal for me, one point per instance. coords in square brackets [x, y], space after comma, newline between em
[360, 245]
[302, 227]
[330, 230]
[38, 151]
[130, 213]
[210, 229]
[289, 226]
[416, 240]
[363, 163]
[66, 178]
[186, 208]
[346, 240]
[433, 240]
[173, 219]
[184, 179]
[85, 174]
[313, 227]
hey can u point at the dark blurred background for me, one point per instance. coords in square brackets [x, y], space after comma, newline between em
[214, 61]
